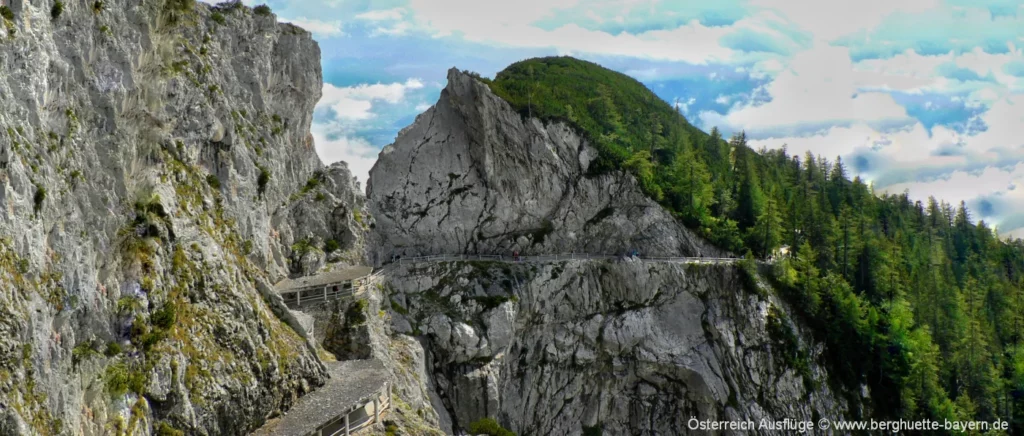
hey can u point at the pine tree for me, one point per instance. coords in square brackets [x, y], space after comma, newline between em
[767, 232]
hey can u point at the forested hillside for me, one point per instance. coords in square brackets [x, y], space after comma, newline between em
[914, 300]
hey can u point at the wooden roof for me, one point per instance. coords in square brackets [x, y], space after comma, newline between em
[323, 279]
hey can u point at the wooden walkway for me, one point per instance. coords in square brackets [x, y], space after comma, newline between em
[353, 398]
[323, 287]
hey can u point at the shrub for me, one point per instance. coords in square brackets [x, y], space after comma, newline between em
[165, 429]
[302, 247]
[355, 315]
[165, 317]
[263, 10]
[97, 7]
[39, 198]
[120, 380]
[218, 18]
[213, 181]
[312, 183]
[490, 427]
[57, 9]
[263, 179]
[113, 349]
[180, 5]
[6, 12]
[84, 351]
[331, 245]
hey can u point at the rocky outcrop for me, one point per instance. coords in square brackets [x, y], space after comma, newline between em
[471, 175]
[144, 149]
[626, 347]
[325, 222]
[574, 347]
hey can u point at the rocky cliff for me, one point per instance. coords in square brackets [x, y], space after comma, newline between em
[574, 347]
[625, 347]
[471, 175]
[156, 176]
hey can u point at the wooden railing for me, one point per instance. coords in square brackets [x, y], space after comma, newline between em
[381, 402]
[557, 258]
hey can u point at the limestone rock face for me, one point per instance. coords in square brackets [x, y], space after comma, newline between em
[471, 175]
[144, 148]
[630, 347]
[325, 221]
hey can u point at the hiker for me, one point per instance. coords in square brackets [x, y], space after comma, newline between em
[515, 255]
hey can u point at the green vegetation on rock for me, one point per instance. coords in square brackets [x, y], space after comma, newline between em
[263, 10]
[57, 9]
[490, 427]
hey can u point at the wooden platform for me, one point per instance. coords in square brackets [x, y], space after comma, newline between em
[352, 391]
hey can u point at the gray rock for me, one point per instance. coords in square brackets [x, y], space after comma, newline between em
[471, 175]
[637, 347]
[141, 104]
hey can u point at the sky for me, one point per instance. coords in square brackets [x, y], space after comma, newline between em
[917, 96]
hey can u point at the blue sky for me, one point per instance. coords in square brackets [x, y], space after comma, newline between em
[924, 96]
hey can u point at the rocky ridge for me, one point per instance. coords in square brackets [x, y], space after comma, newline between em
[471, 175]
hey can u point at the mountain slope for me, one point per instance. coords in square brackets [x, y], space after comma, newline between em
[916, 301]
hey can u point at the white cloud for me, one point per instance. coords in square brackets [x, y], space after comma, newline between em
[356, 102]
[917, 73]
[963, 186]
[1003, 119]
[828, 20]
[323, 29]
[817, 87]
[422, 107]
[382, 15]
[399, 28]
[513, 26]
[389, 20]
[352, 107]
[356, 152]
